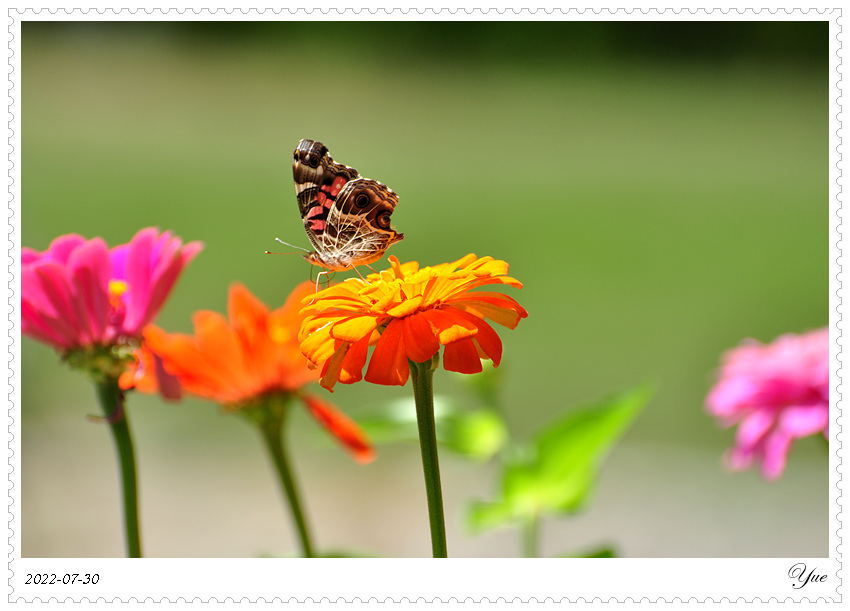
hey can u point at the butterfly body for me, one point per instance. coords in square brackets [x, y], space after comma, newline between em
[346, 216]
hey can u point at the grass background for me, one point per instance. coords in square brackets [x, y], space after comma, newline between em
[660, 189]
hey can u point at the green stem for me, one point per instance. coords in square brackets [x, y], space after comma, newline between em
[111, 399]
[271, 427]
[530, 529]
[422, 376]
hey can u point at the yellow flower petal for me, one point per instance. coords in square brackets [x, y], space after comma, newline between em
[405, 308]
[355, 328]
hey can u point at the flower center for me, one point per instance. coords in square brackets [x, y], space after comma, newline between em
[117, 288]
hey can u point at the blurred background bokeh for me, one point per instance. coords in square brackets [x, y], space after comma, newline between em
[661, 189]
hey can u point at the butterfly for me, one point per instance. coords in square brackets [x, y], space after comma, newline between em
[346, 216]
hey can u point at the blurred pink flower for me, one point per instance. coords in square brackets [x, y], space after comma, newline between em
[776, 392]
[79, 294]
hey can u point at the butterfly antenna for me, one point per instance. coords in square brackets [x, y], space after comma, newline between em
[292, 245]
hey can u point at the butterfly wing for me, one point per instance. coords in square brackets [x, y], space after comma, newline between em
[318, 181]
[346, 216]
[358, 229]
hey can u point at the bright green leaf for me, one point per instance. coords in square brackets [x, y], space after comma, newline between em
[606, 551]
[486, 516]
[343, 553]
[478, 434]
[556, 472]
[571, 450]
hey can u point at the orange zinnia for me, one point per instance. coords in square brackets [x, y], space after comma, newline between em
[408, 313]
[247, 363]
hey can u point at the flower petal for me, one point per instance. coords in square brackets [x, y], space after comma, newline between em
[153, 264]
[89, 267]
[320, 323]
[35, 323]
[28, 255]
[165, 273]
[754, 427]
[182, 359]
[39, 317]
[331, 369]
[351, 369]
[406, 307]
[388, 365]
[138, 275]
[805, 420]
[343, 428]
[462, 356]
[776, 447]
[222, 354]
[61, 248]
[54, 286]
[486, 338]
[419, 339]
[246, 313]
[148, 374]
[318, 346]
[499, 308]
[118, 262]
[354, 328]
[448, 326]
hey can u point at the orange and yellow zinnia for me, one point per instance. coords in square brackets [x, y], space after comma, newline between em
[243, 362]
[408, 313]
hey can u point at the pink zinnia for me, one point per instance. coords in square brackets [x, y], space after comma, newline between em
[777, 392]
[79, 294]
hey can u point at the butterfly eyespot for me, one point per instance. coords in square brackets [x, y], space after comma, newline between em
[361, 201]
[384, 220]
[312, 161]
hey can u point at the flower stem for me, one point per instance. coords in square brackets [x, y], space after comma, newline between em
[530, 529]
[422, 376]
[271, 427]
[111, 399]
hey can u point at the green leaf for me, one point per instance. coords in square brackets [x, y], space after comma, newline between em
[478, 434]
[556, 472]
[343, 553]
[332, 553]
[395, 421]
[486, 516]
[605, 551]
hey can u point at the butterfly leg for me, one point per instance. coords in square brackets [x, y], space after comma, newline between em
[319, 280]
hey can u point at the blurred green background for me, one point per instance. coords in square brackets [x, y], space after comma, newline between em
[661, 189]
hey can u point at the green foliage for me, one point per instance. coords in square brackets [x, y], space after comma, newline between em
[605, 551]
[477, 434]
[555, 473]
[345, 553]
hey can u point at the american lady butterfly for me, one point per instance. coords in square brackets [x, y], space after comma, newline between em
[346, 216]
